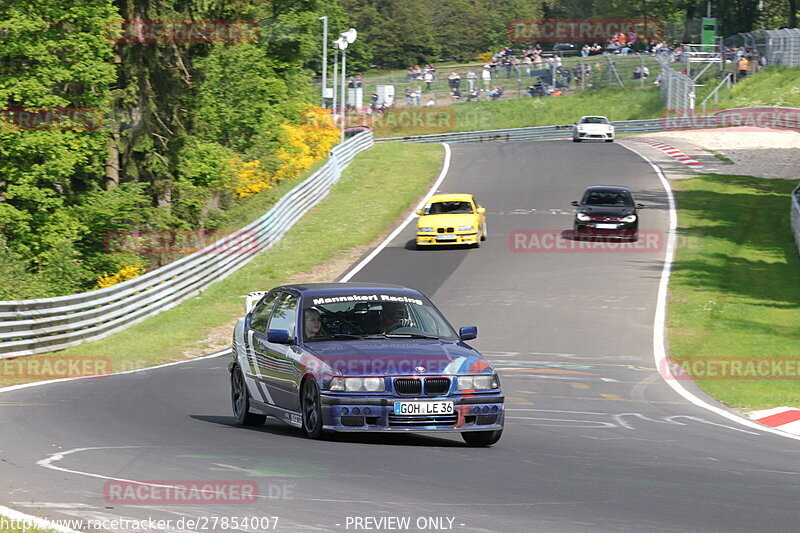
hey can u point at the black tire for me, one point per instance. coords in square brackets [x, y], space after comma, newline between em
[240, 401]
[484, 233]
[609, 140]
[312, 410]
[481, 438]
[576, 140]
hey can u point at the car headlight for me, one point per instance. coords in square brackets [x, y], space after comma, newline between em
[425, 230]
[583, 217]
[466, 228]
[629, 218]
[358, 384]
[481, 382]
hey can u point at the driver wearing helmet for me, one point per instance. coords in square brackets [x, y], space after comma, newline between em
[394, 315]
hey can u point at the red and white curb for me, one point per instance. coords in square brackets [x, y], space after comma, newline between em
[783, 418]
[673, 153]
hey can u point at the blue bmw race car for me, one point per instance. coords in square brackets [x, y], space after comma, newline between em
[360, 357]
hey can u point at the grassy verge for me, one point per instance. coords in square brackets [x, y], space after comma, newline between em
[734, 291]
[775, 86]
[725, 159]
[374, 191]
[524, 112]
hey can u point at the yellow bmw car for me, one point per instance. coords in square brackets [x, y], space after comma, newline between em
[451, 219]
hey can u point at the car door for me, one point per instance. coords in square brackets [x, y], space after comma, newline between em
[481, 216]
[255, 336]
[279, 364]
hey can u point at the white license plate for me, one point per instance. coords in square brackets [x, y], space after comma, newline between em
[605, 226]
[423, 408]
[446, 237]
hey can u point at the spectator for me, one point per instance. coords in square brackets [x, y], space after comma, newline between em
[585, 50]
[454, 80]
[744, 64]
[409, 94]
[486, 76]
[473, 94]
[471, 77]
[428, 78]
[417, 95]
[527, 61]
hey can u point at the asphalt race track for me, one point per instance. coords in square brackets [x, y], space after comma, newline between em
[595, 440]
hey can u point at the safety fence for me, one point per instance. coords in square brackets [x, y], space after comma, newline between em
[796, 215]
[42, 325]
[779, 47]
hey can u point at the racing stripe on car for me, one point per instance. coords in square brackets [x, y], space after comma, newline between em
[673, 153]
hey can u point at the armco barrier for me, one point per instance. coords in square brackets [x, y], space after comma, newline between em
[796, 216]
[42, 325]
[536, 133]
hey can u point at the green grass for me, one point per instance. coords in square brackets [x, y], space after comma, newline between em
[373, 192]
[524, 112]
[734, 291]
[725, 160]
[775, 86]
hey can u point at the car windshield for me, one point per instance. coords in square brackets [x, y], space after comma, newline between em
[442, 208]
[618, 198]
[594, 120]
[370, 316]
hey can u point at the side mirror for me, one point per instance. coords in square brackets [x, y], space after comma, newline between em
[640, 206]
[468, 333]
[418, 211]
[574, 202]
[481, 210]
[278, 336]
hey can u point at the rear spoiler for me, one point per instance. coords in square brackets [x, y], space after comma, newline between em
[252, 299]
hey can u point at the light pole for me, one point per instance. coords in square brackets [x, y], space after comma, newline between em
[324, 57]
[344, 40]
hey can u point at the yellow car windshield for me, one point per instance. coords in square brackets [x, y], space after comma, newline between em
[446, 208]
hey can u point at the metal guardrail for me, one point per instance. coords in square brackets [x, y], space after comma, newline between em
[42, 325]
[796, 215]
[536, 133]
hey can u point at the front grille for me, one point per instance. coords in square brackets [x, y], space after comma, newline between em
[606, 219]
[408, 386]
[421, 421]
[437, 385]
[445, 230]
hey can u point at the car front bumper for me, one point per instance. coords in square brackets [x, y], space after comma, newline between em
[590, 229]
[471, 413]
[592, 135]
[435, 239]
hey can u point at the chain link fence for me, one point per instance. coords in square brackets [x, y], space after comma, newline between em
[778, 47]
[796, 215]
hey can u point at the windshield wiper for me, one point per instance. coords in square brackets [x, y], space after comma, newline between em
[336, 336]
[410, 336]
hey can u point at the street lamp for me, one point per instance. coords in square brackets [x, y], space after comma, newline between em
[341, 43]
[324, 57]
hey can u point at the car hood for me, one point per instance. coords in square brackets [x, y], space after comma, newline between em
[396, 357]
[453, 220]
[607, 211]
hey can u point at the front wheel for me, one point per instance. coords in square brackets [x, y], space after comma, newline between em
[576, 140]
[240, 401]
[482, 438]
[312, 411]
[609, 140]
[484, 232]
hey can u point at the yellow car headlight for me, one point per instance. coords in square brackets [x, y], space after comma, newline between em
[466, 228]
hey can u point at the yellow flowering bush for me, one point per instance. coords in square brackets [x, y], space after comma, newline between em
[303, 145]
[124, 273]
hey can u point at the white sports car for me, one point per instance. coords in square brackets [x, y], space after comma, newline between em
[593, 127]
